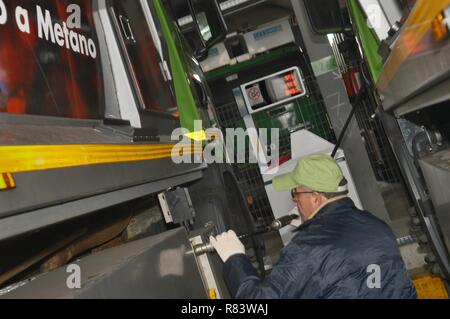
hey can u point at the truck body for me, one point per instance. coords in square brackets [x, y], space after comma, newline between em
[91, 93]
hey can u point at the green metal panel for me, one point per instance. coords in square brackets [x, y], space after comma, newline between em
[369, 42]
[181, 68]
[307, 112]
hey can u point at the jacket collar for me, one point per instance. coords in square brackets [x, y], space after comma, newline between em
[328, 202]
[331, 207]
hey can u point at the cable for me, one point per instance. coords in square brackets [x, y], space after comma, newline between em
[349, 119]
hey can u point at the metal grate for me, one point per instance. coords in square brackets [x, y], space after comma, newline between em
[248, 175]
[251, 183]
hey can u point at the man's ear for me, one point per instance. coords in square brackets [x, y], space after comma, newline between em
[317, 198]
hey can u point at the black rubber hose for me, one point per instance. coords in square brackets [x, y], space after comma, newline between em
[349, 119]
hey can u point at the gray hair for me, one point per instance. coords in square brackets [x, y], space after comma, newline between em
[326, 195]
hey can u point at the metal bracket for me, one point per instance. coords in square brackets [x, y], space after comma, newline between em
[176, 205]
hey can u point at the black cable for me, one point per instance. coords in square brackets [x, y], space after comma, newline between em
[349, 119]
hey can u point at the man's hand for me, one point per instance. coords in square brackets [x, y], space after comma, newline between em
[227, 245]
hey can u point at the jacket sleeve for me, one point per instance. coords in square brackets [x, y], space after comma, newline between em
[288, 277]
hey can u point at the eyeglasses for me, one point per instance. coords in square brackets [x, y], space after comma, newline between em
[294, 193]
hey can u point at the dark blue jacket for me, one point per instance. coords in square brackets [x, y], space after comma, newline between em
[340, 253]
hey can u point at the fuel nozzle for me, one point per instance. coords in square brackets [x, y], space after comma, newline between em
[282, 222]
[277, 224]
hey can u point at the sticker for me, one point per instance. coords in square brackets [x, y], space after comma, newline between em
[324, 66]
[213, 52]
[254, 95]
[267, 32]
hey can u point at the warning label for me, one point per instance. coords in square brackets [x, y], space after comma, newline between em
[254, 95]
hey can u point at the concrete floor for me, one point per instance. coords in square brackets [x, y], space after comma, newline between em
[398, 206]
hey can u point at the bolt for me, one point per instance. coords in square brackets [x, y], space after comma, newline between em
[423, 239]
[436, 269]
[416, 221]
[209, 224]
[430, 259]
[412, 212]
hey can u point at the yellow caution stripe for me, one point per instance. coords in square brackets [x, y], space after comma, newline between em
[16, 159]
[418, 24]
[212, 294]
[430, 287]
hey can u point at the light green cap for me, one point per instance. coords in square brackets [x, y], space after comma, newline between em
[318, 172]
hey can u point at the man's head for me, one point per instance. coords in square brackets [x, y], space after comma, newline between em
[315, 180]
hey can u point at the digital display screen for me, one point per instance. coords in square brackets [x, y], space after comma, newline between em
[273, 90]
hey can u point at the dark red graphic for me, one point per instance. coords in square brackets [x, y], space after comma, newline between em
[39, 77]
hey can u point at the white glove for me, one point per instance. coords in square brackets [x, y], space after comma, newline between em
[227, 245]
[298, 221]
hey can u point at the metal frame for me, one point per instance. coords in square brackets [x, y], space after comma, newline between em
[32, 220]
[420, 78]
[152, 25]
[146, 116]
[416, 188]
[338, 106]
[150, 268]
[417, 62]
[206, 270]
[228, 7]
[436, 94]
[25, 119]
[118, 91]
[44, 198]
[416, 77]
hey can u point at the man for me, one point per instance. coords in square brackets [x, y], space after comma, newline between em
[338, 251]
